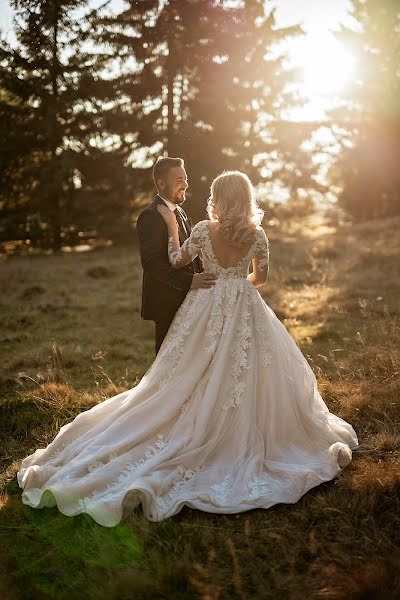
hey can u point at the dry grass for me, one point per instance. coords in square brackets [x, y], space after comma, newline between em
[72, 336]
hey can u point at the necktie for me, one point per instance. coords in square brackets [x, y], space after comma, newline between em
[180, 221]
[194, 266]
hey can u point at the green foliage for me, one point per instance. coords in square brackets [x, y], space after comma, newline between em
[369, 165]
[211, 90]
[56, 184]
[89, 99]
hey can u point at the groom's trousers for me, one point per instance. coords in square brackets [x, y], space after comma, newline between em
[162, 327]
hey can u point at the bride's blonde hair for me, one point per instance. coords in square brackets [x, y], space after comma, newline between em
[233, 205]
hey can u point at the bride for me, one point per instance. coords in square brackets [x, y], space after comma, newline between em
[227, 418]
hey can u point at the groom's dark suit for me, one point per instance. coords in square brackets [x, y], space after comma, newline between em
[164, 288]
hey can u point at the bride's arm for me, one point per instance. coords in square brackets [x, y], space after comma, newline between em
[179, 256]
[260, 261]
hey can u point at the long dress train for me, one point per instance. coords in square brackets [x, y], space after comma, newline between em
[227, 418]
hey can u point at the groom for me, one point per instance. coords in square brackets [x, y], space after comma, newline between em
[165, 288]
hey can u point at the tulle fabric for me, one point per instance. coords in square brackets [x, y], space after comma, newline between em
[228, 418]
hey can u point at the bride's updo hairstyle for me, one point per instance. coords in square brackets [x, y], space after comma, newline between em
[233, 205]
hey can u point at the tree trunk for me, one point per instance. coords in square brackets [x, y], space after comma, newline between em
[170, 146]
[55, 188]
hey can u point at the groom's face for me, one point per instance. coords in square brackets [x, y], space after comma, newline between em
[174, 186]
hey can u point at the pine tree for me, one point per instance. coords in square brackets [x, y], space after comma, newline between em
[247, 93]
[368, 169]
[60, 178]
[207, 90]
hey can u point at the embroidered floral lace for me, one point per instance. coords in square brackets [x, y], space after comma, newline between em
[227, 418]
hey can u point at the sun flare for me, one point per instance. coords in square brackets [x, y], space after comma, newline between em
[325, 63]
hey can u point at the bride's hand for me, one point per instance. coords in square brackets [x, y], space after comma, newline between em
[167, 215]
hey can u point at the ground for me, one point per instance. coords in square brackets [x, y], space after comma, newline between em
[72, 336]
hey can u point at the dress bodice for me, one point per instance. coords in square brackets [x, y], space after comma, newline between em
[199, 243]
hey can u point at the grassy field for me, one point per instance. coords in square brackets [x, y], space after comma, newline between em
[72, 336]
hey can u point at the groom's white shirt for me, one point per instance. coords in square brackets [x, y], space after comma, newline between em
[170, 205]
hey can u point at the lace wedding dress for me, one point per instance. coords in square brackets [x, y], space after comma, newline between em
[228, 417]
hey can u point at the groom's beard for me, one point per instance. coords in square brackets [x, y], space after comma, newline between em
[178, 197]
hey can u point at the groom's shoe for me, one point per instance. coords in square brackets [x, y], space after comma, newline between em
[344, 457]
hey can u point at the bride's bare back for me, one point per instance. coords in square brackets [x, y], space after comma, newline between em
[226, 254]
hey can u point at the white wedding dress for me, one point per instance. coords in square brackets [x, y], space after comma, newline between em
[228, 417]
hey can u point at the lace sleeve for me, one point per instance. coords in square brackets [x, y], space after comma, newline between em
[189, 249]
[262, 252]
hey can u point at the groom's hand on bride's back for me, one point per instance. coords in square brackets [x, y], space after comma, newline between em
[203, 280]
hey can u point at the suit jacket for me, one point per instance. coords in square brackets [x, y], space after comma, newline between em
[164, 288]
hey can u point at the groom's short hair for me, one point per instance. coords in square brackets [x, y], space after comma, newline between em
[163, 164]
